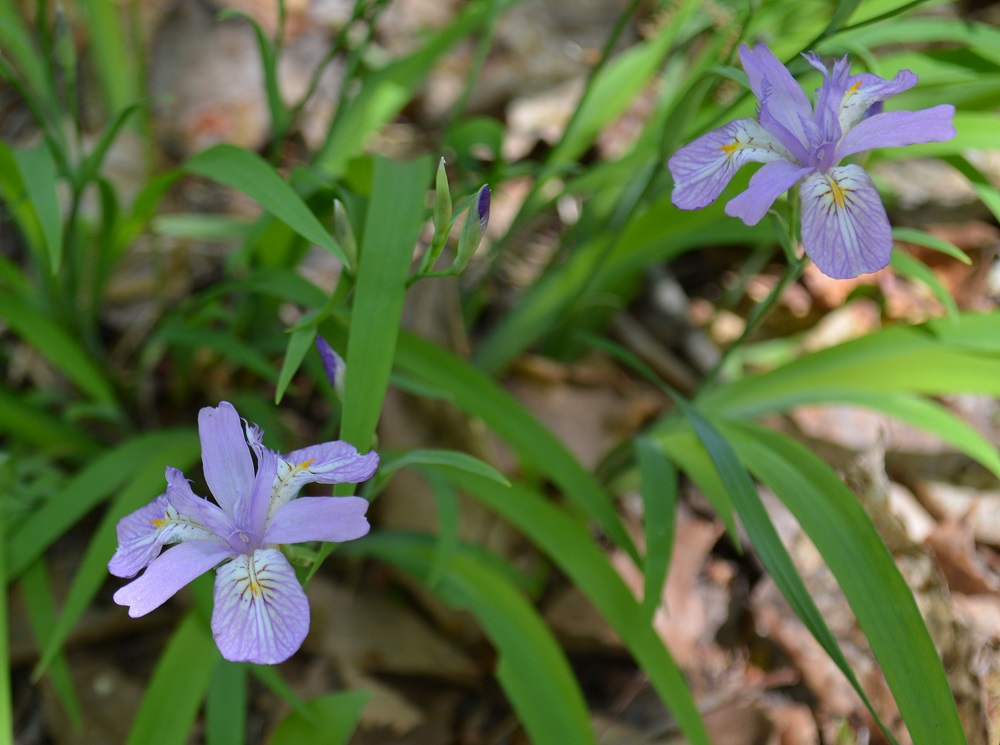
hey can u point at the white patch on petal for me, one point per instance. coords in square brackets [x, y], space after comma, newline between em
[261, 612]
[287, 483]
[175, 527]
[703, 168]
[867, 90]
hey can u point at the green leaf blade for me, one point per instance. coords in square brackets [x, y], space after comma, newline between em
[249, 173]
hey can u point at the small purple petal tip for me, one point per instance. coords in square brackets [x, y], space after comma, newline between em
[333, 364]
[483, 208]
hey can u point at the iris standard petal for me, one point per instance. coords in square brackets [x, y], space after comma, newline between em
[139, 539]
[169, 573]
[769, 183]
[703, 168]
[845, 230]
[830, 97]
[334, 519]
[900, 128]
[866, 90]
[771, 82]
[252, 515]
[194, 518]
[261, 612]
[228, 466]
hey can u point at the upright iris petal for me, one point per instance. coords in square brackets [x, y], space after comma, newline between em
[845, 229]
[261, 611]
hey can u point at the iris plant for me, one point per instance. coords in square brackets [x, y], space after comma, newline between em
[845, 230]
[261, 612]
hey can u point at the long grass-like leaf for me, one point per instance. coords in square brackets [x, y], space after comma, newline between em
[178, 686]
[116, 66]
[398, 190]
[386, 92]
[86, 490]
[722, 471]
[932, 359]
[906, 265]
[451, 458]
[6, 707]
[249, 173]
[532, 669]
[659, 518]
[476, 394]
[618, 85]
[181, 451]
[923, 238]
[568, 544]
[226, 705]
[40, 178]
[300, 341]
[329, 720]
[37, 591]
[61, 349]
[225, 344]
[844, 535]
[46, 433]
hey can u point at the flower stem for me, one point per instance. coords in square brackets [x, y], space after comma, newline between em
[787, 231]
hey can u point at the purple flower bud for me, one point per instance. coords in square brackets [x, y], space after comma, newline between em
[483, 208]
[333, 363]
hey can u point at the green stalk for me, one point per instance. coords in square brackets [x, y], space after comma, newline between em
[6, 710]
[789, 240]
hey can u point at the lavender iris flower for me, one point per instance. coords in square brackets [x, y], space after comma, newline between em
[261, 612]
[845, 230]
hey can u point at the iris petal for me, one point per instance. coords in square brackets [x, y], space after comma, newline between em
[900, 128]
[334, 519]
[140, 539]
[229, 468]
[703, 168]
[169, 573]
[335, 462]
[845, 230]
[866, 90]
[772, 84]
[769, 183]
[261, 612]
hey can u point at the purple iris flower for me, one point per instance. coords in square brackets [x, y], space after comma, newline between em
[261, 612]
[845, 230]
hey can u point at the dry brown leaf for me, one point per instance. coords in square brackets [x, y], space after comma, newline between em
[370, 633]
[955, 552]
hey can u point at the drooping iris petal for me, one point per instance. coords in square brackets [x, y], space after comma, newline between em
[772, 84]
[334, 519]
[900, 128]
[228, 466]
[703, 168]
[845, 230]
[168, 573]
[866, 90]
[769, 183]
[261, 612]
[139, 539]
